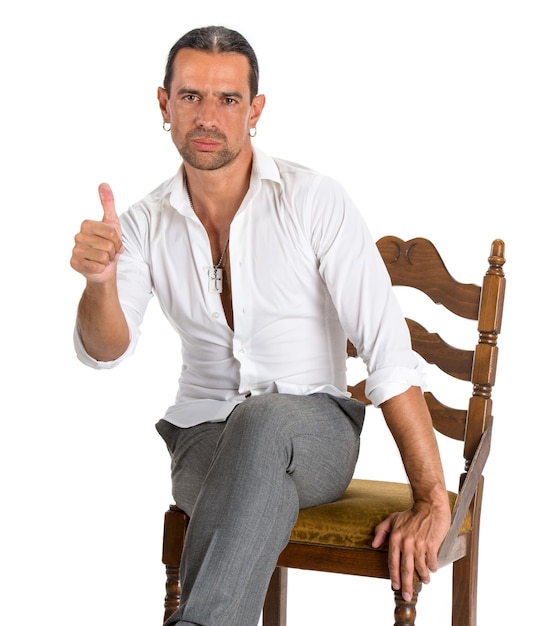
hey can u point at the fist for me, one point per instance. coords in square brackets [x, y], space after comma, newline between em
[98, 244]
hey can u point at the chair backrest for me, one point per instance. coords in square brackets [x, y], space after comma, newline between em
[417, 264]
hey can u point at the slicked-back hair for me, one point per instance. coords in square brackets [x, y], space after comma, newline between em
[214, 39]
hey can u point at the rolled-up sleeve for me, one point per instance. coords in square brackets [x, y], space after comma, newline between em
[391, 381]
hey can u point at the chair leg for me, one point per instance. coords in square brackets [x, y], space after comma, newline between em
[465, 573]
[405, 613]
[174, 532]
[172, 588]
[274, 611]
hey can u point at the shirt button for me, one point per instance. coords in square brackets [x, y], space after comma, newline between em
[216, 315]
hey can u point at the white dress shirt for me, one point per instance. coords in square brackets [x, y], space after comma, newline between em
[305, 276]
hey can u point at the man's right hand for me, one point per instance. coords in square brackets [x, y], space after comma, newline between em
[101, 322]
[98, 244]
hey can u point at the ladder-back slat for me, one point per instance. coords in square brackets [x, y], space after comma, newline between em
[417, 263]
[453, 361]
[446, 420]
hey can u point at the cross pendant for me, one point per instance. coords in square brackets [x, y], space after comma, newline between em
[215, 279]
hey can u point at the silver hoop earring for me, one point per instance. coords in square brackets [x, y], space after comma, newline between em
[252, 132]
[167, 127]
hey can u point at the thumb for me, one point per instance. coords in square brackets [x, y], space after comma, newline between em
[382, 532]
[108, 205]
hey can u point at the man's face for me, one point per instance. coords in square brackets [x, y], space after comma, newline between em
[209, 107]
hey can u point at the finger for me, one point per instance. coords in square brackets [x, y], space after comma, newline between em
[382, 531]
[432, 559]
[394, 566]
[407, 569]
[101, 242]
[108, 205]
[421, 567]
[393, 560]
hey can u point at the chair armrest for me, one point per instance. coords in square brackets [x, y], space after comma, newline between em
[466, 494]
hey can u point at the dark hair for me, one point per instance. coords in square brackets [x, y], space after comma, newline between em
[214, 39]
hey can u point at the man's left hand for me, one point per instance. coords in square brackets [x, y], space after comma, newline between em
[414, 536]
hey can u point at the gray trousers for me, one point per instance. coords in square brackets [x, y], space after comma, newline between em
[242, 482]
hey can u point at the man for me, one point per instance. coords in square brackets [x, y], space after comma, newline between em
[264, 268]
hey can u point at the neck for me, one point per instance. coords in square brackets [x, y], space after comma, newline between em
[216, 195]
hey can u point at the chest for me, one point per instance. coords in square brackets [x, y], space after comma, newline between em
[268, 267]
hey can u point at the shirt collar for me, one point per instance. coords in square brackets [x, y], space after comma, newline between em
[177, 194]
[263, 168]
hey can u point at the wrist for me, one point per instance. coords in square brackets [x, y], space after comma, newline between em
[100, 290]
[435, 497]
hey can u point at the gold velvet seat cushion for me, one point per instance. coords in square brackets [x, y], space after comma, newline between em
[351, 520]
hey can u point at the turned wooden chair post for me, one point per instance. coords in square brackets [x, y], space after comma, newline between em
[478, 429]
[405, 612]
[174, 532]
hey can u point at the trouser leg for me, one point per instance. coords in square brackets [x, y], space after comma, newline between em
[274, 455]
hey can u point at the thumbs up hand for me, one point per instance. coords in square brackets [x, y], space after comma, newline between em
[98, 245]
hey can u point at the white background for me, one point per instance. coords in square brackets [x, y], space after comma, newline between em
[432, 116]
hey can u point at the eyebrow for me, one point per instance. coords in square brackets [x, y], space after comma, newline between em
[222, 94]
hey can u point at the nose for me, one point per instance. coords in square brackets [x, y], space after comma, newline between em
[207, 114]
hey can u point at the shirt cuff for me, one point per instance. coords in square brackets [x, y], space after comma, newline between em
[90, 361]
[388, 382]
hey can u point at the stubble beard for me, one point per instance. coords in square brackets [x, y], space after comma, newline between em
[203, 160]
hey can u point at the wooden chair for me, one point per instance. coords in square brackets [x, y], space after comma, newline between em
[337, 537]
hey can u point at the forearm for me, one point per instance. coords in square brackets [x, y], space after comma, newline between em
[409, 421]
[101, 322]
[415, 535]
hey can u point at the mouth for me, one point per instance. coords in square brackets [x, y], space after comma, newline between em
[204, 143]
[205, 140]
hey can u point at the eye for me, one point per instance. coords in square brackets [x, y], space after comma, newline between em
[230, 101]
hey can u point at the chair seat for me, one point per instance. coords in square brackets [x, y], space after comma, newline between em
[350, 521]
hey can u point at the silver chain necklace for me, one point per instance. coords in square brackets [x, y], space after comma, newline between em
[215, 273]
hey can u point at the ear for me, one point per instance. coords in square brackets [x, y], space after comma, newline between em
[163, 100]
[256, 109]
